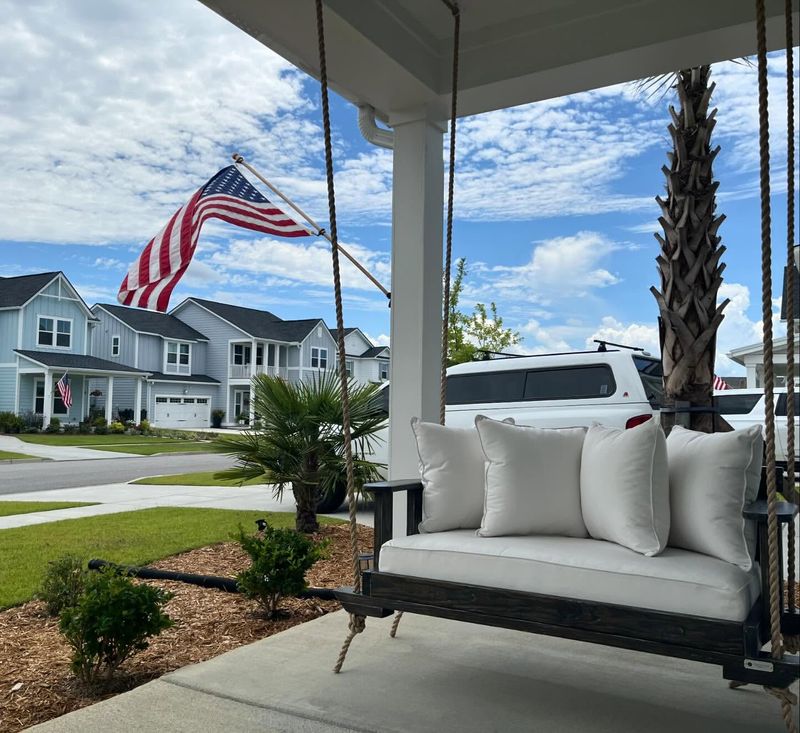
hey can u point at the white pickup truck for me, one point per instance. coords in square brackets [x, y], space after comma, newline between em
[742, 408]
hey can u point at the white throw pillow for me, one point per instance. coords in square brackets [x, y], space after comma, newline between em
[711, 477]
[625, 486]
[453, 477]
[532, 479]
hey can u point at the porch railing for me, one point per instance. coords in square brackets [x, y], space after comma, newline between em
[245, 371]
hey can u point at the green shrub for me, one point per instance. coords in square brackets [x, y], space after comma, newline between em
[54, 426]
[112, 619]
[11, 423]
[144, 426]
[116, 427]
[63, 583]
[70, 429]
[84, 428]
[99, 422]
[280, 559]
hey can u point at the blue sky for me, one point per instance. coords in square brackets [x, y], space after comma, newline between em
[109, 121]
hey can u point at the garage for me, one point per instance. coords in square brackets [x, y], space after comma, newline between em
[182, 412]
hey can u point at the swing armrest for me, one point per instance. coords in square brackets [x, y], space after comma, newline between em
[757, 510]
[384, 491]
[391, 486]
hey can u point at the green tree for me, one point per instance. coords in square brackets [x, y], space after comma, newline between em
[481, 330]
[298, 440]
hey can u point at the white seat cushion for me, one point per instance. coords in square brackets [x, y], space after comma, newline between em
[676, 581]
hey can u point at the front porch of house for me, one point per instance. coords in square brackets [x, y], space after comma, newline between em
[92, 383]
[246, 359]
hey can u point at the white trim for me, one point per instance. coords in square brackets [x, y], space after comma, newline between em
[136, 349]
[118, 345]
[38, 292]
[178, 343]
[36, 382]
[20, 320]
[55, 320]
[79, 370]
[59, 296]
[181, 397]
[177, 381]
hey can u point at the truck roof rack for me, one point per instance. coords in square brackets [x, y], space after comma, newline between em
[603, 346]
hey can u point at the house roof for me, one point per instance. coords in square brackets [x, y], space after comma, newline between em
[374, 351]
[258, 323]
[199, 378]
[346, 331]
[147, 321]
[16, 291]
[77, 362]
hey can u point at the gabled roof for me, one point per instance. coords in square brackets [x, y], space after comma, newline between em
[153, 322]
[374, 351]
[16, 291]
[198, 378]
[346, 331]
[259, 324]
[78, 362]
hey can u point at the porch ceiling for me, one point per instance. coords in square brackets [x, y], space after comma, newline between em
[395, 54]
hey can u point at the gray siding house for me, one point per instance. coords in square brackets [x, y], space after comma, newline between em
[365, 362]
[45, 332]
[176, 391]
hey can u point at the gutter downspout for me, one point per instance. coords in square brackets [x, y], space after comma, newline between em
[379, 136]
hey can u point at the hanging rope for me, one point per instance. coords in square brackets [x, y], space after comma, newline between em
[775, 602]
[789, 295]
[357, 623]
[448, 251]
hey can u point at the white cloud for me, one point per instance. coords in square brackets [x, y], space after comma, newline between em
[379, 340]
[109, 263]
[643, 335]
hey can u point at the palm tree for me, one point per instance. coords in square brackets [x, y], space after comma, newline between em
[298, 439]
[689, 263]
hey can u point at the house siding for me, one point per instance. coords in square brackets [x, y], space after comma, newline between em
[75, 413]
[8, 388]
[8, 336]
[151, 353]
[103, 334]
[319, 337]
[171, 389]
[44, 305]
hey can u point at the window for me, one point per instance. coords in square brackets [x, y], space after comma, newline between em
[178, 358]
[319, 358]
[740, 404]
[54, 332]
[38, 400]
[384, 370]
[115, 346]
[465, 389]
[652, 376]
[348, 365]
[783, 403]
[241, 354]
[202, 400]
[260, 355]
[161, 399]
[571, 383]
[175, 400]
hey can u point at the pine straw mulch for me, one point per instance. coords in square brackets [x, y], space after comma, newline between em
[37, 685]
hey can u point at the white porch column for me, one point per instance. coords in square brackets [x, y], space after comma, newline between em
[47, 412]
[109, 398]
[252, 374]
[137, 402]
[416, 313]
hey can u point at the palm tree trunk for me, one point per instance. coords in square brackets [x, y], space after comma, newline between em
[689, 263]
[306, 498]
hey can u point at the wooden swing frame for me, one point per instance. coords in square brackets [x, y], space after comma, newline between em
[733, 645]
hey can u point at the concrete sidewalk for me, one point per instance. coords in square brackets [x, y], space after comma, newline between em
[438, 676]
[57, 452]
[115, 498]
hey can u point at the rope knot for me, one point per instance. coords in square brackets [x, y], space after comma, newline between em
[784, 694]
[357, 624]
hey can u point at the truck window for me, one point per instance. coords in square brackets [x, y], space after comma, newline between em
[783, 403]
[737, 404]
[471, 389]
[570, 383]
[652, 376]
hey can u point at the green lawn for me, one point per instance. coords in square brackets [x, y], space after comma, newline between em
[200, 478]
[133, 538]
[143, 445]
[7, 455]
[7, 508]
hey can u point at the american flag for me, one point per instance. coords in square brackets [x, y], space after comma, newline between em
[228, 196]
[720, 383]
[65, 390]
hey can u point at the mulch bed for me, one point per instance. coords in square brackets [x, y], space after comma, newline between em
[37, 685]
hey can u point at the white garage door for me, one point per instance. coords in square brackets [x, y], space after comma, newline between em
[182, 412]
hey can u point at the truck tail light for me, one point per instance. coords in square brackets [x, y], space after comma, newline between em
[636, 420]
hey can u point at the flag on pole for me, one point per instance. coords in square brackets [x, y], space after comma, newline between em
[65, 390]
[720, 383]
[228, 196]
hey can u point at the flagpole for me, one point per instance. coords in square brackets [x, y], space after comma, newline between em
[320, 232]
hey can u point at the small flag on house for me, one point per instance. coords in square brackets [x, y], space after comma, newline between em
[720, 383]
[228, 196]
[65, 390]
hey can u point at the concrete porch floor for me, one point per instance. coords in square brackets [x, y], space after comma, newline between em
[435, 676]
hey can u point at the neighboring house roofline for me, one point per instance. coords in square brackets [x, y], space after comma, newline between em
[756, 348]
[72, 362]
[54, 275]
[166, 337]
[197, 302]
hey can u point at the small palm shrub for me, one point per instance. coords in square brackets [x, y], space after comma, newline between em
[111, 620]
[280, 559]
[63, 583]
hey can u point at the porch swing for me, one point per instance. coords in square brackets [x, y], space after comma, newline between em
[733, 643]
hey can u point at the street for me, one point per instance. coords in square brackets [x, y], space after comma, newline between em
[42, 476]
